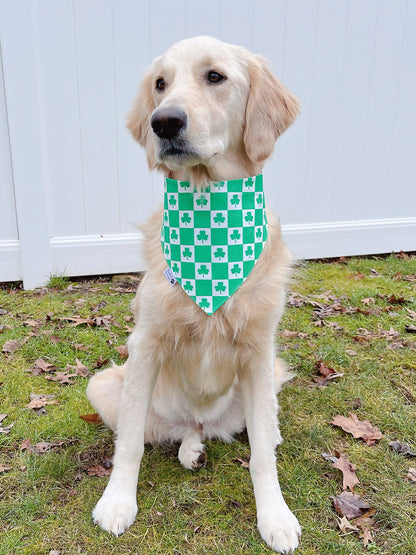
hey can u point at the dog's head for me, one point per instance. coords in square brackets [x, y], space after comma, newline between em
[208, 104]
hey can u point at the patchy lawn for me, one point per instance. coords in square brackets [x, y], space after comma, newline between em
[348, 333]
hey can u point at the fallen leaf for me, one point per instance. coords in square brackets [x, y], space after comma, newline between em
[326, 374]
[359, 429]
[289, 334]
[401, 448]
[41, 366]
[4, 468]
[101, 361]
[63, 378]
[330, 458]
[77, 320]
[11, 346]
[42, 447]
[92, 418]
[5, 429]
[344, 525]
[80, 369]
[366, 523]
[412, 314]
[40, 401]
[99, 470]
[122, 351]
[349, 478]
[350, 505]
[368, 301]
[245, 463]
[410, 328]
[411, 475]
[356, 276]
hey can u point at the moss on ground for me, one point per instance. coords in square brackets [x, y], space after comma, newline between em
[353, 315]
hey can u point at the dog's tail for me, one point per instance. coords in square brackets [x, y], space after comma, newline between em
[282, 374]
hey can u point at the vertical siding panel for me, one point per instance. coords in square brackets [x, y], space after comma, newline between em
[236, 22]
[202, 18]
[324, 111]
[60, 117]
[353, 109]
[131, 59]
[401, 184]
[8, 224]
[95, 63]
[373, 194]
[298, 70]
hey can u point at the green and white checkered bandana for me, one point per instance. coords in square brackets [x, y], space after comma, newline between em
[212, 238]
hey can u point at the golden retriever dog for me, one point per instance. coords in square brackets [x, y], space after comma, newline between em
[206, 112]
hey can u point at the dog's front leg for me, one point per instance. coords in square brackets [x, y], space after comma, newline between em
[117, 508]
[277, 524]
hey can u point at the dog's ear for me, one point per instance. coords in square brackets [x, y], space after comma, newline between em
[270, 110]
[138, 119]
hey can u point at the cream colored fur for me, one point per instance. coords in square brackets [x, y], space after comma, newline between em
[190, 376]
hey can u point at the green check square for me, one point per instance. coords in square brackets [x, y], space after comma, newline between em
[188, 270]
[235, 253]
[248, 201]
[173, 218]
[202, 218]
[219, 236]
[203, 253]
[248, 234]
[203, 287]
[186, 201]
[219, 270]
[186, 236]
[219, 201]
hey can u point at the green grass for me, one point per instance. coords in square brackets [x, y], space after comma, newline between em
[46, 500]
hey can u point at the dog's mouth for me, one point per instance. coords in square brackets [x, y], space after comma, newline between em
[177, 151]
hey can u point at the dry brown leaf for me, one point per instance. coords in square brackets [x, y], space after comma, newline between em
[42, 365]
[326, 374]
[10, 346]
[344, 525]
[350, 505]
[98, 470]
[40, 401]
[411, 475]
[92, 418]
[359, 429]
[5, 429]
[122, 351]
[402, 448]
[4, 468]
[245, 463]
[356, 276]
[63, 378]
[349, 478]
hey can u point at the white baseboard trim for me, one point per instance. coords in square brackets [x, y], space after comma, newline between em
[350, 238]
[96, 254]
[108, 254]
[10, 260]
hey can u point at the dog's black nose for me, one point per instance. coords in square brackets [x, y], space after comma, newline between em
[168, 122]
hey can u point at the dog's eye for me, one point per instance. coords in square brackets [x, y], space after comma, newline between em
[214, 77]
[160, 84]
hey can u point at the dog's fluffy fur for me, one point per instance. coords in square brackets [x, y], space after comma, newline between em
[191, 376]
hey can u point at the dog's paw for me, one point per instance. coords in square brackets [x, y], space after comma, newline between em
[280, 530]
[115, 512]
[192, 455]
